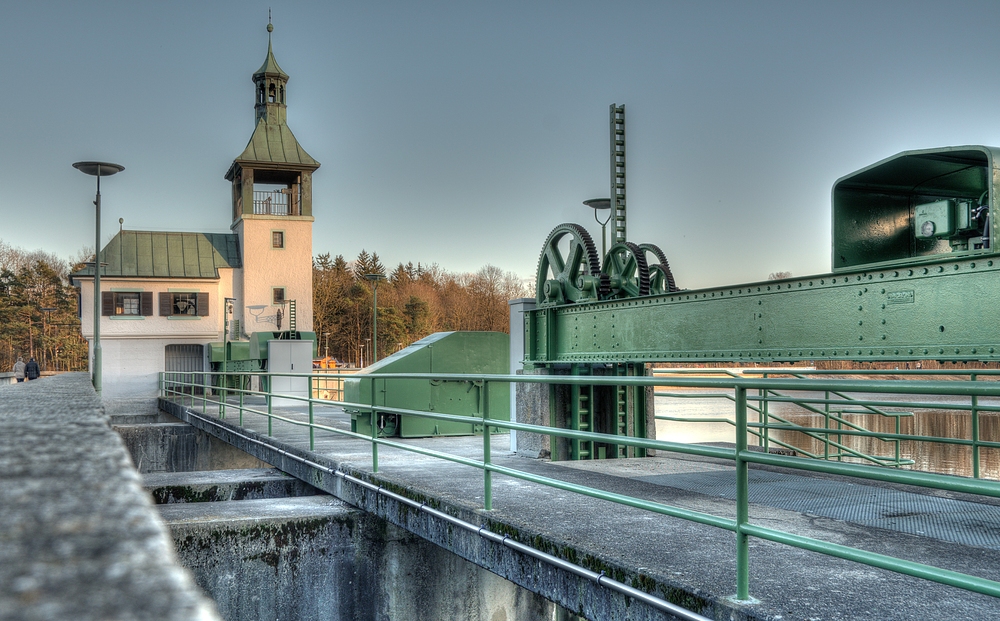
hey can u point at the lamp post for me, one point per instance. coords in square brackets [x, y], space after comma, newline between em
[227, 312]
[374, 278]
[600, 204]
[326, 351]
[97, 169]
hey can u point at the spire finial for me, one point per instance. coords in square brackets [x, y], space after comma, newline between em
[270, 28]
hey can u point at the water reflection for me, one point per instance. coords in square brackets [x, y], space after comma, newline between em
[931, 421]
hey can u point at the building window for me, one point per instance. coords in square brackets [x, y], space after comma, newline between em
[184, 304]
[278, 295]
[126, 303]
[277, 239]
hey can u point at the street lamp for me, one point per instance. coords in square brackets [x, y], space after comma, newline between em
[97, 169]
[374, 278]
[227, 312]
[600, 204]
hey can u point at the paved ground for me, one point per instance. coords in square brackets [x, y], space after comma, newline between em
[950, 531]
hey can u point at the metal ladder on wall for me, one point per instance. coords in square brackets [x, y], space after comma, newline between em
[292, 331]
[622, 426]
[582, 418]
[621, 411]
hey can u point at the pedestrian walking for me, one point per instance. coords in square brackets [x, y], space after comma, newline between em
[19, 367]
[31, 370]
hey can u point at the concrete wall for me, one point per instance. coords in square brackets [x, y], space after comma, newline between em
[317, 558]
[266, 549]
[179, 447]
[265, 267]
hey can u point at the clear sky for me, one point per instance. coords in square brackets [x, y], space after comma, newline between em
[461, 133]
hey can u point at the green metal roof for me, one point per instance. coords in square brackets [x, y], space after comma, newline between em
[274, 143]
[149, 254]
[270, 66]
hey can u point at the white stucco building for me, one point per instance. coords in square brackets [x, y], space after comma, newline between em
[163, 294]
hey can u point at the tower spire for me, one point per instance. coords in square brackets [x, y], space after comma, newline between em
[270, 82]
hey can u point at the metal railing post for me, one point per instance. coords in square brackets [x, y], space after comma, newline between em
[242, 393]
[270, 402]
[223, 393]
[742, 499]
[764, 419]
[374, 428]
[975, 433]
[826, 425]
[312, 429]
[484, 407]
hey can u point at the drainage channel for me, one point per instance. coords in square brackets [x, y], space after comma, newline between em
[598, 578]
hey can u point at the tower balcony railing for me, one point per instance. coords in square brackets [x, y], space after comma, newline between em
[273, 203]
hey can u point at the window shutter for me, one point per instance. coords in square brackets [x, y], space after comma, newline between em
[165, 304]
[107, 303]
[146, 303]
[203, 305]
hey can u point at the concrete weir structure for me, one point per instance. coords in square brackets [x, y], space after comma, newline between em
[82, 539]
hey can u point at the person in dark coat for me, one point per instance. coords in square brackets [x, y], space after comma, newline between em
[31, 370]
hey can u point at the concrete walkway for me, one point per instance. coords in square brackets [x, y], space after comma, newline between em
[673, 556]
[79, 538]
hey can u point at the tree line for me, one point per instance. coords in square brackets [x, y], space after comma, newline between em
[414, 301]
[38, 311]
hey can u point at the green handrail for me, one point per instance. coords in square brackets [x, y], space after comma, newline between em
[173, 386]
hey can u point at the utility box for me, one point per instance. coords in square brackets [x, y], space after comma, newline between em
[289, 357]
[443, 352]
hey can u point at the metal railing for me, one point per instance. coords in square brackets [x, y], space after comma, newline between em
[274, 202]
[745, 392]
[835, 406]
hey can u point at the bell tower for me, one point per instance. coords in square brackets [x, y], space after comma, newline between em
[272, 211]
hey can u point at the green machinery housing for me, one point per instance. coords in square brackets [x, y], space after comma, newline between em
[250, 356]
[443, 352]
[915, 275]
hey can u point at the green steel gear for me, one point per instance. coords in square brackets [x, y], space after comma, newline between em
[569, 267]
[661, 279]
[627, 272]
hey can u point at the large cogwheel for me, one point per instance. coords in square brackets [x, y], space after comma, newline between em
[569, 267]
[661, 279]
[625, 272]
